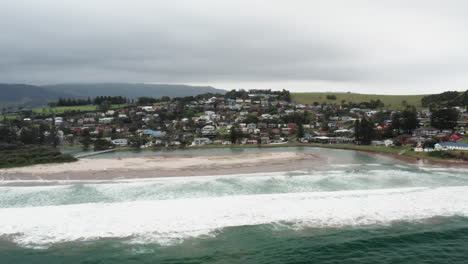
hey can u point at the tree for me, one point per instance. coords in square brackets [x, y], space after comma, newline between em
[445, 118]
[409, 120]
[102, 144]
[251, 118]
[53, 137]
[137, 141]
[325, 126]
[85, 139]
[105, 106]
[364, 131]
[300, 130]
[234, 135]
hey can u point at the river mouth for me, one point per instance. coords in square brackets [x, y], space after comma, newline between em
[342, 209]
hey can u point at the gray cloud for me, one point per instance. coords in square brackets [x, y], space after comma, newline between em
[332, 44]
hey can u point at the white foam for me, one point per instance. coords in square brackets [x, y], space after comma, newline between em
[168, 220]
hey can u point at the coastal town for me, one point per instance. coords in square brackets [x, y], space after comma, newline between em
[236, 118]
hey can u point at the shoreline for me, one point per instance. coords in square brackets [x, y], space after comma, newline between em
[198, 165]
[389, 152]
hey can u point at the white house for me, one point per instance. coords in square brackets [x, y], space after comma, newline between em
[120, 142]
[106, 120]
[388, 142]
[451, 146]
[147, 108]
[201, 141]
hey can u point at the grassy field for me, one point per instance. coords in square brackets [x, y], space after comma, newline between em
[394, 102]
[62, 109]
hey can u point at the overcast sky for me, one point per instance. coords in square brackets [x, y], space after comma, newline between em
[384, 47]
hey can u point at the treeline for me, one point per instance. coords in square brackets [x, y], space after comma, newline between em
[284, 95]
[446, 99]
[96, 101]
[151, 100]
[373, 104]
[186, 99]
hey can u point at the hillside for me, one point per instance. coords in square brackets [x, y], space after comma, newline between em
[395, 102]
[132, 90]
[29, 96]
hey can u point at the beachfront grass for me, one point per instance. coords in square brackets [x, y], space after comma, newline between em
[20, 156]
[394, 102]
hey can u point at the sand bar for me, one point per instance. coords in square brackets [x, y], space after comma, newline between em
[162, 166]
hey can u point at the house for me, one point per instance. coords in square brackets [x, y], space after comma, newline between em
[252, 142]
[58, 121]
[201, 141]
[451, 146]
[418, 148]
[265, 140]
[388, 143]
[106, 120]
[262, 125]
[343, 131]
[428, 132]
[209, 130]
[120, 142]
[287, 131]
[252, 126]
[377, 143]
[174, 143]
[147, 108]
[153, 133]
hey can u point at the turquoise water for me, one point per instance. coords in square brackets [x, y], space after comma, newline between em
[356, 208]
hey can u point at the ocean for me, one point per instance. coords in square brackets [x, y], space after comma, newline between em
[355, 208]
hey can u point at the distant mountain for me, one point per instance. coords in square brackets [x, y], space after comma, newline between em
[28, 96]
[133, 90]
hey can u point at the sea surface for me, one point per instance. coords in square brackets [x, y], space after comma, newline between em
[354, 208]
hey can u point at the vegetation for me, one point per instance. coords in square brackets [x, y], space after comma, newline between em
[16, 156]
[258, 94]
[405, 121]
[446, 99]
[459, 155]
[364, 131]
[63, 109]
[102, 144]
[96, 101]
[445, 118]
[392, 102]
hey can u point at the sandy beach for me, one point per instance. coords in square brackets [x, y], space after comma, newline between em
[163, 166]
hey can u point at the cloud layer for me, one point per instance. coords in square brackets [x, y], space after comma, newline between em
[361, 46]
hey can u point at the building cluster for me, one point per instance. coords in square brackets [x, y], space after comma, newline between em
[256, 119]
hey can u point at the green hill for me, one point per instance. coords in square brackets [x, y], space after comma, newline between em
[395, 102]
